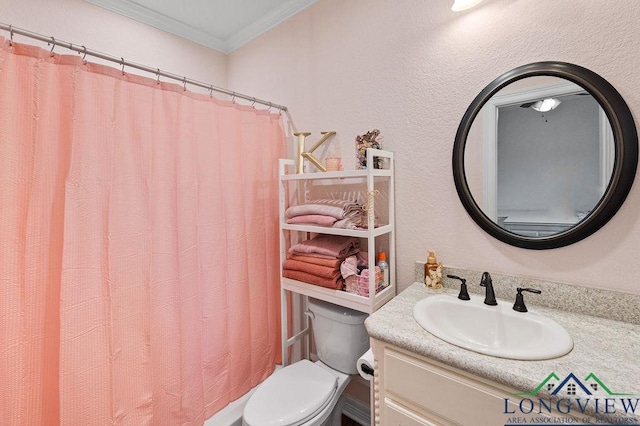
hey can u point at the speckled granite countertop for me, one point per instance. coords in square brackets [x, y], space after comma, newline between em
[607, 348]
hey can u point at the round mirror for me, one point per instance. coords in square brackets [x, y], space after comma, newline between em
[545, 155]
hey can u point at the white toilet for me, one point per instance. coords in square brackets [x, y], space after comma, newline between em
[307, 393]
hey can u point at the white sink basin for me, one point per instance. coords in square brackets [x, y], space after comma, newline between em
[492, 330]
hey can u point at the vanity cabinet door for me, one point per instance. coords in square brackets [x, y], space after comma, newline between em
[396, 415]
[442, 392]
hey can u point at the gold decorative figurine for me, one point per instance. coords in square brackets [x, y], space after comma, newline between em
[433, 272]
[434, 279]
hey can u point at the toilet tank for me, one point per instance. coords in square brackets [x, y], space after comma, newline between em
[339, 335]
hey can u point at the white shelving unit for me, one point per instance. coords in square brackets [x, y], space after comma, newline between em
[376, 187]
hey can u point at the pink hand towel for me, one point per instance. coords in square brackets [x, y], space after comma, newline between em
[310, 268]
[328, 245]
[333, 262]
[334, 283]
[314, 219]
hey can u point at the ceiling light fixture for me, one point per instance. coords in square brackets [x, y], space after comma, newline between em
[546, 105]
[459, 5]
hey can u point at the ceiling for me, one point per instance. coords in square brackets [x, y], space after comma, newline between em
[222, 25]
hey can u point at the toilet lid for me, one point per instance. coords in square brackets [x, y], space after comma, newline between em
[291, 395]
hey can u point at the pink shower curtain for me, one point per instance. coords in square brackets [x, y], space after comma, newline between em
[138, 246]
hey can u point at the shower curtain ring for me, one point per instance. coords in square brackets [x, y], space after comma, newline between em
[10, 35]
[158, 75]
[53, 40]
[233, 97]
[211, 91]
[84, 56]
[184, 83]
[270, 105]
[122, 62]
[253, 103]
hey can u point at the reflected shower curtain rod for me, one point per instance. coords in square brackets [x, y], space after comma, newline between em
[156, 71]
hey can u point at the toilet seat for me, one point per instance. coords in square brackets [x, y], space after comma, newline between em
[291, 396]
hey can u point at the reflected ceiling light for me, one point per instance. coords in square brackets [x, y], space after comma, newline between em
[546, 104]
[459, 5]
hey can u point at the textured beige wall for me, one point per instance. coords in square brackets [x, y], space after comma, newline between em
[410, 68]
[79, 22]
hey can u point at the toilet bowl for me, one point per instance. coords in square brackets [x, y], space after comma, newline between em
[310, 393]
[304, 393]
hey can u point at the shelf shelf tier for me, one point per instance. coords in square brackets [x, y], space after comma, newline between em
[359, 303]
[338, 175]
[360, 233]
[340, 297]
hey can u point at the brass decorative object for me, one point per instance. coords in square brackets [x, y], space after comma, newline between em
[433, 271]
[299, 158]
[434, 277]
[302, 154]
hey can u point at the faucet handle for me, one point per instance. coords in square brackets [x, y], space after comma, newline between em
[519, 304]
[464, 294]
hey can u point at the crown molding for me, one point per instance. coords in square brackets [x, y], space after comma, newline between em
[266, 22]
[162, 22]
[158, 20]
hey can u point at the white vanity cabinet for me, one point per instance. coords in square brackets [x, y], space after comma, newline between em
[411, 390]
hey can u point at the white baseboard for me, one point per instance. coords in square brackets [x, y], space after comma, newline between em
[357, 411]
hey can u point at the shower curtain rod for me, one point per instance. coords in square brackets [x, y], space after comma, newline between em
[84, 51]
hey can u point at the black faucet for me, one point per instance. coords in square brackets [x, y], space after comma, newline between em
[519, 304]
[464, 294]
[490, 296]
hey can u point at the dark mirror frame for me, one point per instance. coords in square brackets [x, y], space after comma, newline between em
[624, 169]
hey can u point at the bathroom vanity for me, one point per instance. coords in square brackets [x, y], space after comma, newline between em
[422, 380]
[414, 390]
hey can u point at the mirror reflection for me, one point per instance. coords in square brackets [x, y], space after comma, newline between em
[539, 156]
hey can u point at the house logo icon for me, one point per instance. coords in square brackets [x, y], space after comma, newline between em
[582, 399]
[572, 386]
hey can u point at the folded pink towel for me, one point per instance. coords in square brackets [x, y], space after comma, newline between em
[324, 261]
[314, 219]
[340, 209]
[310, 268]
[327, 245]
[334, 283]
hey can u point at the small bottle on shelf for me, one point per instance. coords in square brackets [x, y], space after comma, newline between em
[384, 268]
